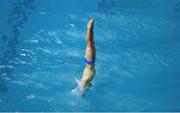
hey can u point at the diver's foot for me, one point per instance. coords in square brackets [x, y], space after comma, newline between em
[90, 23]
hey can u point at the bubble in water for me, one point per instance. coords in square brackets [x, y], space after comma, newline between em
[72, 25]
[30, 96]
[42, 13]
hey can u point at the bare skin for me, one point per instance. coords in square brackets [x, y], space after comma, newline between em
[90, 53]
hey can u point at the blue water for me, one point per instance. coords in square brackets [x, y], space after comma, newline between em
[42, 43]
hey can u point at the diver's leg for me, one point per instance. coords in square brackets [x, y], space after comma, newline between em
[90, 41]
[90, 34]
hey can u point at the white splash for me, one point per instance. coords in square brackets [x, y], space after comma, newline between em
[55, 36]
[77, 91]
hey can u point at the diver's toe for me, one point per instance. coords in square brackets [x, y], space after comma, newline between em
[90, 23]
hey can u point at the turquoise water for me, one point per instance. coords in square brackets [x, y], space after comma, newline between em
[42, 44]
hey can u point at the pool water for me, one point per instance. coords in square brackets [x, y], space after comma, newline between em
[42, 43]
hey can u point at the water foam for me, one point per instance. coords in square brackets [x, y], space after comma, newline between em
[77, 91]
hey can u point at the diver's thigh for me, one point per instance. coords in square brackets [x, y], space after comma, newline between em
[89, 53]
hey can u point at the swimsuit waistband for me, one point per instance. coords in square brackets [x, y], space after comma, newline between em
[90, 62]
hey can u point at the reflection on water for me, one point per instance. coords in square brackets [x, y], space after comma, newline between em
[106, 5]
[161, 7]
[17, 17]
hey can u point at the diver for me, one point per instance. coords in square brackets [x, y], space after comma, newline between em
[89, 59]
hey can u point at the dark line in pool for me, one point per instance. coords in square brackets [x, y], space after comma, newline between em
[177, 7]
[18, 16]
